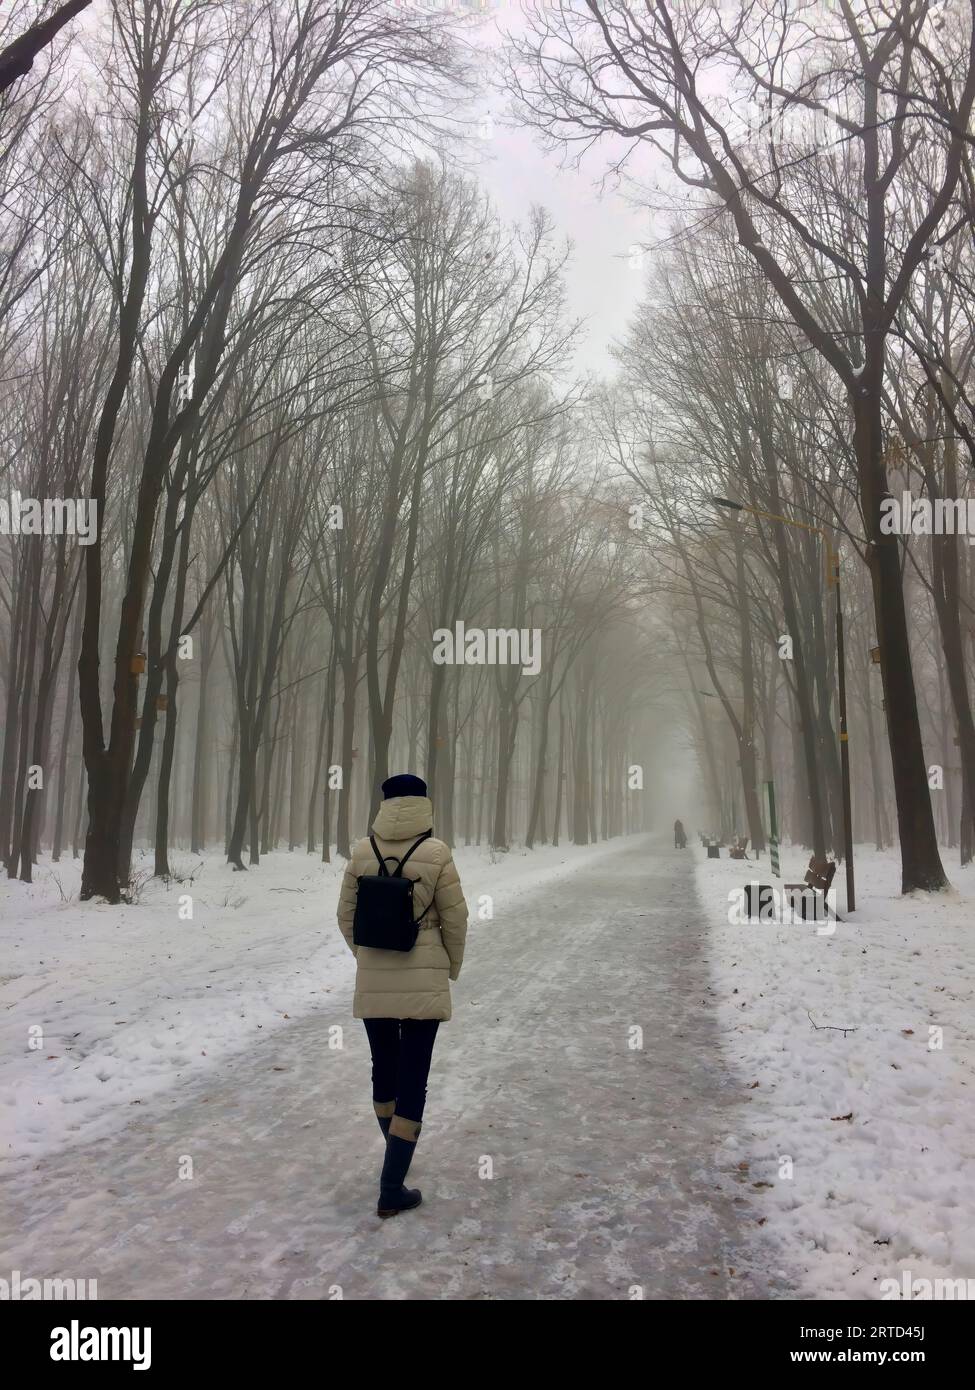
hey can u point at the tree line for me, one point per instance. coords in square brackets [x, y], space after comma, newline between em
[318, 397]
[322, 401]
[805, 350]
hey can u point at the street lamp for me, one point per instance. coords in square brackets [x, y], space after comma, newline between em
[833, 580]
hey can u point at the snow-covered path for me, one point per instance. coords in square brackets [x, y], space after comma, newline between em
[610, 1170]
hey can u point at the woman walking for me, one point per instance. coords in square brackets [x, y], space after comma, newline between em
[402, 995]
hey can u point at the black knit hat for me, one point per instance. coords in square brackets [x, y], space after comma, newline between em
[404, 784]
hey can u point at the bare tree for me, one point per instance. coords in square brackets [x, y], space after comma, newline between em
[873, 71]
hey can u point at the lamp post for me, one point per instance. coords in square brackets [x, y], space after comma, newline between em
[833, 580]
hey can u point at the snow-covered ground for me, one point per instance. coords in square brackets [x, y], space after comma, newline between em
[857, 1052]
[578, 1140]
[103, 1007]
[788, 1125]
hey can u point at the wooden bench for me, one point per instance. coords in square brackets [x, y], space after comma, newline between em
[817, 882]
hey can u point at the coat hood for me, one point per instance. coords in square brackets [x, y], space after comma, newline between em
[403, 817]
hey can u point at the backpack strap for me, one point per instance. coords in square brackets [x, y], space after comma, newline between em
[425, 836]
[383, 871]
[415, 845]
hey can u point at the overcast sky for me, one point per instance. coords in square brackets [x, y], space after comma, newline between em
[516, 172]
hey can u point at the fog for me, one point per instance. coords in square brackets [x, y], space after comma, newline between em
[569, 405]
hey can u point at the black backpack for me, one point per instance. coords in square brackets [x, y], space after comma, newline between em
[384, 906]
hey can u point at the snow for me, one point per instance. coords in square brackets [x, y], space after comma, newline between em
[560, 1159]
[574, 1138]
[132, 1000]
[890, 1188]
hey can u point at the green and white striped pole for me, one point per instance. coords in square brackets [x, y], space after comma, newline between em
[773, 839]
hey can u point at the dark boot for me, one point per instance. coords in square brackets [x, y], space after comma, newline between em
[385, 1110]
[393, 1196]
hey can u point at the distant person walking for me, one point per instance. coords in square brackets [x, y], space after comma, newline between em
[408, 941]
[680, 839]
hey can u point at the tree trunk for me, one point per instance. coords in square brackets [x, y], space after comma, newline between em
[921, 865]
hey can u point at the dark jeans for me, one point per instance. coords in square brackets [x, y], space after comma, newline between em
[401, 1053]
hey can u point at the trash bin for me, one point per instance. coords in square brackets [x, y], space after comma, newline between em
[714, 852]
[759, 902]
[807, 904]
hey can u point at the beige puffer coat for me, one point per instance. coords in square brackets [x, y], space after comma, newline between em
[414, 984]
